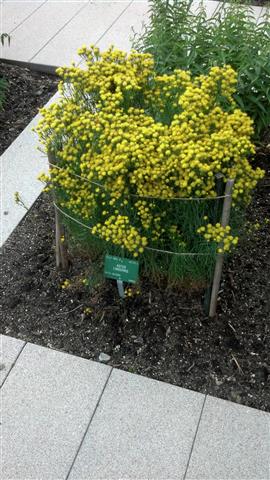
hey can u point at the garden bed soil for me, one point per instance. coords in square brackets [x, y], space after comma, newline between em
[163, 334]
[27, 91]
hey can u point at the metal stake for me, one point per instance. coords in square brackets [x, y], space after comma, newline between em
[60, 246]
[226, 210]
[218, 206]
[120, 287]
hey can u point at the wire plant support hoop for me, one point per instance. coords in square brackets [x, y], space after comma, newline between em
[62, 260]
[75, 220]
[97, 184]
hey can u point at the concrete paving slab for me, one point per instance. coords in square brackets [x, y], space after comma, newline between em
[65, 1]
[20, 165]
[47, 402]
[85, 28]
[10, 349]
[15, 12]
[39, 28]
[120, 34]
[142, 429]
[232, 443]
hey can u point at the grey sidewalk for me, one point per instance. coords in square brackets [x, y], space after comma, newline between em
[50, 32]
[65, 417]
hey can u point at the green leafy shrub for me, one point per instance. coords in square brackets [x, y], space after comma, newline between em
[178, 37]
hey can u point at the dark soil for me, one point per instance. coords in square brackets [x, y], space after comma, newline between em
[162, 334]
[26, 92]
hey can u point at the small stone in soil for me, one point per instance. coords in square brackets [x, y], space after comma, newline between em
[138, 340]
[104, 358]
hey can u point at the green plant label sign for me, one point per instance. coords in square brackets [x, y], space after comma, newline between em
[121, 269]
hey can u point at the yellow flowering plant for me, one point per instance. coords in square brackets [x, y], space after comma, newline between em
[220, 234]
[132, 148]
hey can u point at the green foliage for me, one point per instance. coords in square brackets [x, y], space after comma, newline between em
[178, 37]
[3, 37]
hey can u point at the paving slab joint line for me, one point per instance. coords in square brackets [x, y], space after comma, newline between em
[88, 426]
[194, 439]
[13, 364]
[112, 24]
[26, 18]
[60, 29]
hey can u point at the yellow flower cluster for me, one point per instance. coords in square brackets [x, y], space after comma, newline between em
[87, 310]
[252, 227]
[117, 229]
[66, 284]
[131, 291]
[120, 131]
[219, 234]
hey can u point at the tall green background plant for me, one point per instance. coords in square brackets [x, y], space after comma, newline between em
[179, 37]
